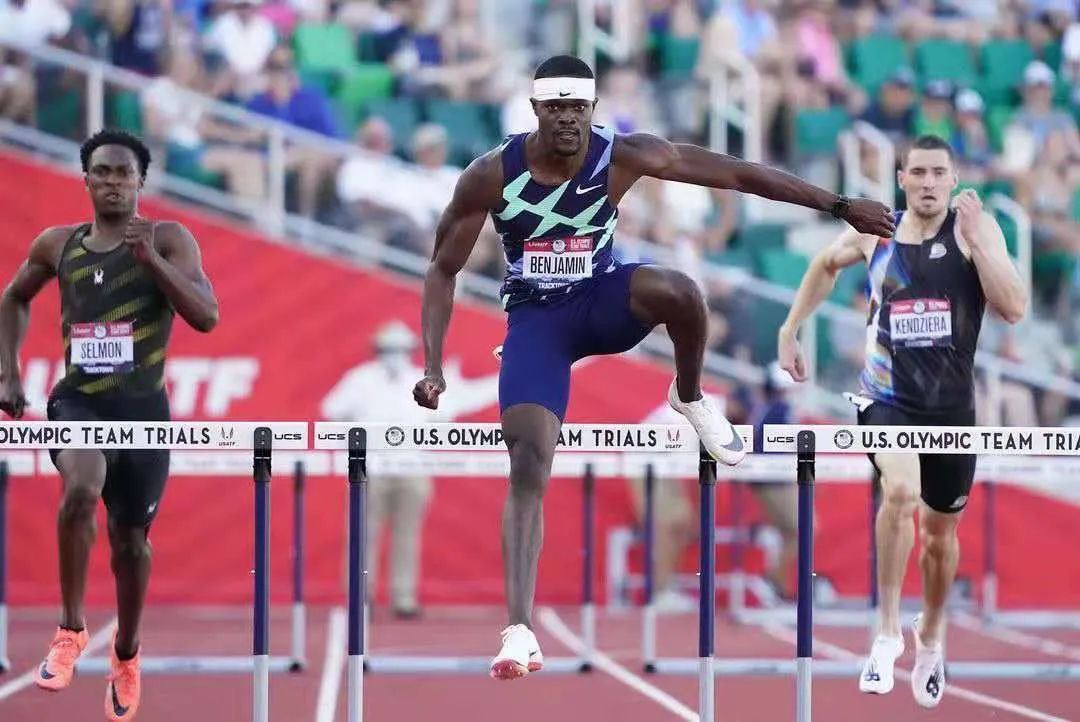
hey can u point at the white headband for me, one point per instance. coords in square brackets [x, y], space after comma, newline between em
[564, 88]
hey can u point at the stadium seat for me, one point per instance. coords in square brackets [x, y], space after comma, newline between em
[817, 131]
[759, 237]
[360, 86]
[997, 119]
[402, 114]
[678, 56]
[1076, 205]
[876, 57]
[1003, 63]
[124, 111]
[1011, 233]
[326, 47]
[466, 125]
[784, 267]
[945, 60]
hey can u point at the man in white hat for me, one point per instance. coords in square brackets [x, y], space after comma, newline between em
[372, 391]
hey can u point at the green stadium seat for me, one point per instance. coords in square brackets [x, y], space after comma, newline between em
[1051, 55]
[945, 60]
[360, 86]
[733, 258]
[1003, 63]
[1010, 231]
[759, 237]
[678, 56]
[326, 47]
[876, 57]
[1076, 205]
[123, 110]
[817, 131]
[466, 124]
[784, 267]
[997, 119]
[403, 115]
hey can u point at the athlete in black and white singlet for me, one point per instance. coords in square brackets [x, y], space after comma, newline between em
[926, 309]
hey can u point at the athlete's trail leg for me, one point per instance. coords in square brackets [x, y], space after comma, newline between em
[131, 567]
[83, 472]
[895, 533]
[531, 432]
[938, 558]
[660, 295]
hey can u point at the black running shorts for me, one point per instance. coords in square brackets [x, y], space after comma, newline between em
[134, 478]
[946, 478]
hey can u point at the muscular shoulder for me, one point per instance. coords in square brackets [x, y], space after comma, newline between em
[49, 244]
[479, 188]
[172, 234]
[643, 153]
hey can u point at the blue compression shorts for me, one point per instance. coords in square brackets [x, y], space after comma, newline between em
[545, 337]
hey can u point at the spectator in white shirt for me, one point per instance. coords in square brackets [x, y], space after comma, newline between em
[30, 23]
[244, 39]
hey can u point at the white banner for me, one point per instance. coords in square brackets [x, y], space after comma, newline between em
[239, 435]
[488, 437]
[993, 440]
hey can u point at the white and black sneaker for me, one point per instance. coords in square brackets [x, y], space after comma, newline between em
[928, 674]
[877, 671]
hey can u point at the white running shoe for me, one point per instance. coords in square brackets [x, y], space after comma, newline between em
[520, 654]
[928, 674]
[715, 431]
[877, 671]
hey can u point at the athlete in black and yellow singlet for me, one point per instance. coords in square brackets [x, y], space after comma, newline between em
[122, 279]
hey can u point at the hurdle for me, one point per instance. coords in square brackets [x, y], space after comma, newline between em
[258, 438]
[360, 441]
[295, 661]
[807, 443]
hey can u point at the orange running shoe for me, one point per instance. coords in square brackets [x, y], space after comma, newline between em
[125, 686]
[56, 671]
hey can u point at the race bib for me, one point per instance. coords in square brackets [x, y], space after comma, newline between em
[920, 322]
[103, 348]
[554, 263]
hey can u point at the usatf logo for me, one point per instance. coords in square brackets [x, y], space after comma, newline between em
[674, 439]
[228, 436]
[843, 439]
[395, 435]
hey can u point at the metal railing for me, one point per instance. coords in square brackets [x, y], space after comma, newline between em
[317, 238]
[593, 39]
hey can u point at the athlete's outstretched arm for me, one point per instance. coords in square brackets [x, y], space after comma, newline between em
[477, 191]
[38, 268]
[847, 250]
[1000, 280]
[649, 155]
[171, 254]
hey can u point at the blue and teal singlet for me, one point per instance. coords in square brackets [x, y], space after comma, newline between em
[555, 236]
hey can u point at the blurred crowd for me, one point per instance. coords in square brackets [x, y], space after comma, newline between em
[419, 87]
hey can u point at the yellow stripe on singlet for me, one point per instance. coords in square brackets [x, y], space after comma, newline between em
[80, 273]
[125, 309]
[76, 252]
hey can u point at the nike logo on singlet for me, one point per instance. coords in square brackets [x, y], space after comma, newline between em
[581, 191]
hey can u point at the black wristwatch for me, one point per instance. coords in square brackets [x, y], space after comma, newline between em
[840, 207]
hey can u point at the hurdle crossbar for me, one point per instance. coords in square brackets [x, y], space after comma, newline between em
[648, 438]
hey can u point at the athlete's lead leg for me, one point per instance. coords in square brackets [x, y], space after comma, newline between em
[660, 295]
[531, 432]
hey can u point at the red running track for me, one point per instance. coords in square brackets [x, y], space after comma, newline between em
[618, 690]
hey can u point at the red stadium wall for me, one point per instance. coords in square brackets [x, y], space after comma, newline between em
[291, 325]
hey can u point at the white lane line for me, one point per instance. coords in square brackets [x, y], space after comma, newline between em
[333, 665]
[1017, 638]
[553, 623]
